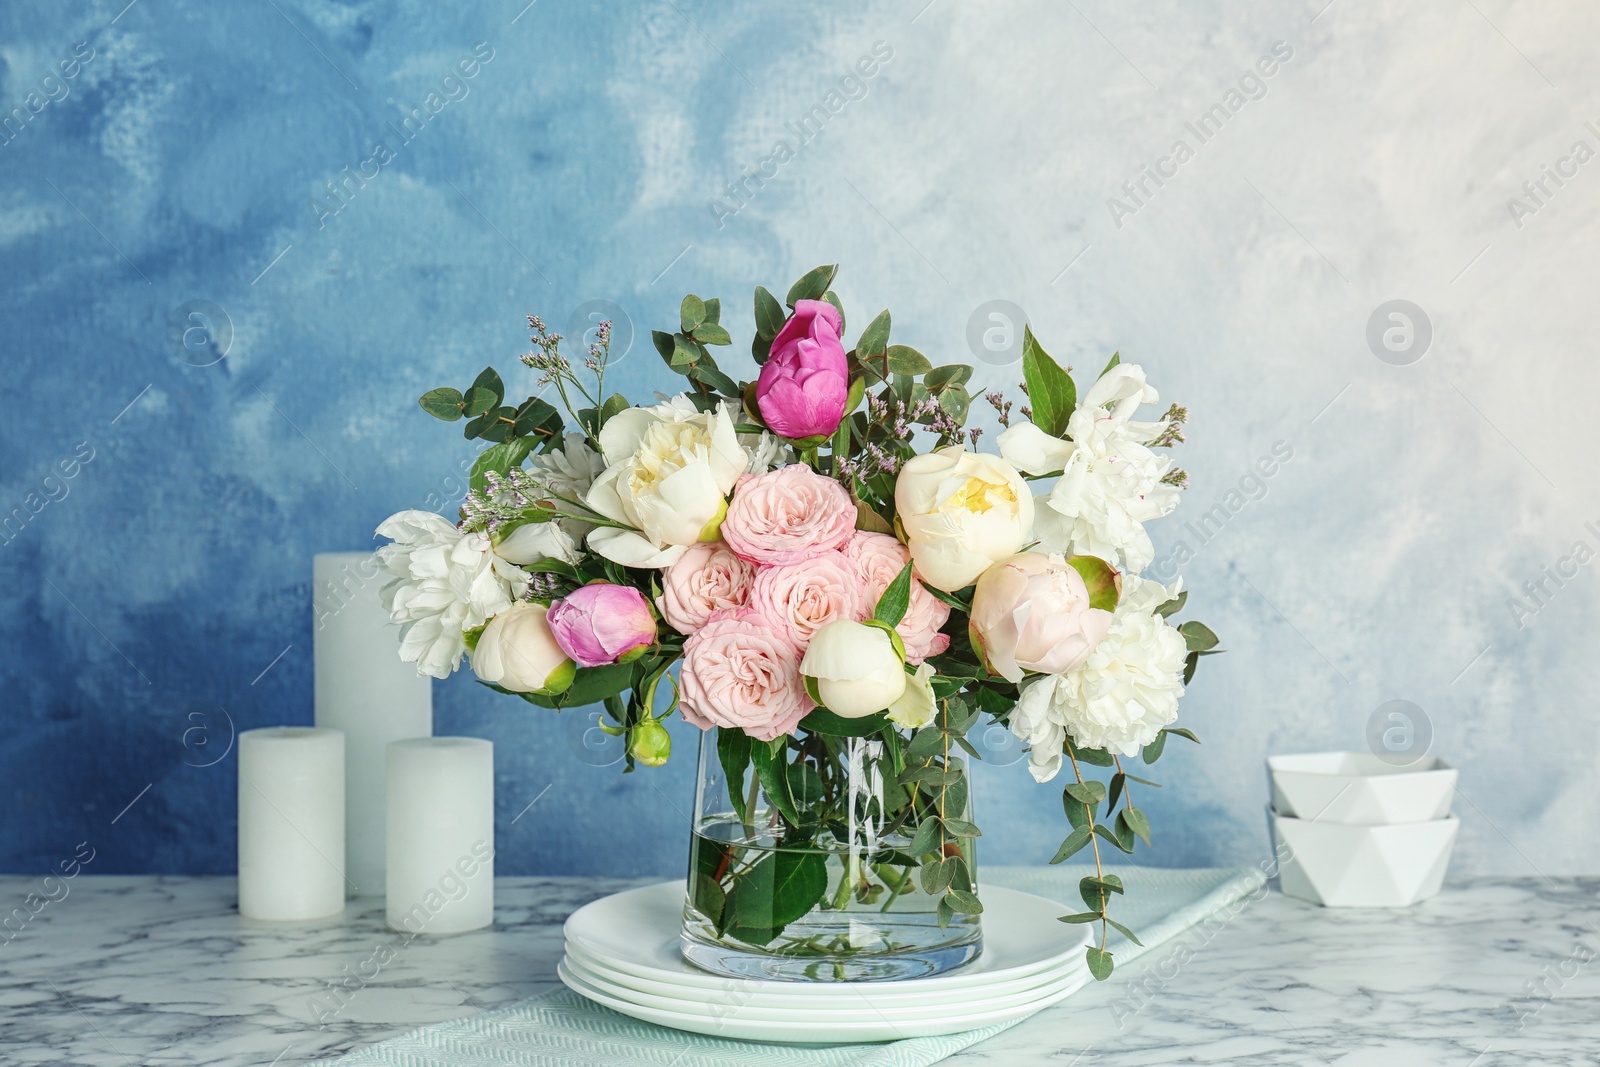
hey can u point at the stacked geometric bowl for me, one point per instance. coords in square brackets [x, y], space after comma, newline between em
[1352, 830]
[623, 953]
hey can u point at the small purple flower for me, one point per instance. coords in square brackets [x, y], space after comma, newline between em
[601, 623]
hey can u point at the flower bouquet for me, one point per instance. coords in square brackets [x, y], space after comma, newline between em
[820, 571]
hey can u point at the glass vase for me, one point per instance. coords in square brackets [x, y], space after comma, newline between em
[821, 885]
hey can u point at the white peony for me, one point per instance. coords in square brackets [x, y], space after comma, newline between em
[517, 651]
[669, 470]
[534, 541]
[1117, 701]
[961, 511]
[445, 583]
[1110, 482]
[856, 668]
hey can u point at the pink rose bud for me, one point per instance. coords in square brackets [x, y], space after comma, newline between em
[601, 623]
[805, 381]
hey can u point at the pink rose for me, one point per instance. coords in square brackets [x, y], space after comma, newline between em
[739, 673]
[788, 514]
[709, 577]
[600, 623]
[798, 599]
[879, 559]
[805, 381]
[1031, 613]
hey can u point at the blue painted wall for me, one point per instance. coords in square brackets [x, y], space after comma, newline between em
[252, 164]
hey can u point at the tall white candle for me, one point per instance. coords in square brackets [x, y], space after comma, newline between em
[365, 690]
[291, 823]
[441, 835]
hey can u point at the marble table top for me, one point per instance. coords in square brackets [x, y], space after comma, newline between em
[158, 971]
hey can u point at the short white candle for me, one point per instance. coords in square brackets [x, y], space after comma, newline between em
[441, 835]
[291, 823]
[364, 689]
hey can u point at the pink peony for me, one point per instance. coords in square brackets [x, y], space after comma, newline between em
[600, 623]
[1031, 613]
[786, 515]
[739, 673]
[806, 381]
[879, 558]
[709, 577]
[798, 599]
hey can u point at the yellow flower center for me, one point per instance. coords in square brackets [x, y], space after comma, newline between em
[978, 495]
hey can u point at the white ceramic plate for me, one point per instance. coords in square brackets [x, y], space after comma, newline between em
[635, 933]
[830, 996]
[818, 1027]
[858, 1004]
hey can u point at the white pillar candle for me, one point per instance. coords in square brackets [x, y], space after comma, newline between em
[291, 823]
[441, 835]
[365, 690]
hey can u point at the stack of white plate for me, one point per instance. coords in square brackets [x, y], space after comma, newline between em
[622, 952]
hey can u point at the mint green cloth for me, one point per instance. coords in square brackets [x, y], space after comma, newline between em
[562, 1029]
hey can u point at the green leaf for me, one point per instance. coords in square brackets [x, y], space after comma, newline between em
[1123, 844]
[956, 402]
[1173, 606]
[591, 685]
[664, 344]
[1099, 757]
[833, 298]
[903, 359]
[479, 399]
[499, 425]
[1198, 636]
[1090, 792]
[708, 898]
[443, 404]
[1124, 931]
[950, 375]
[489, 379]
[964, 902]
[1080, 917]
[769, 314]
[684, 352]
[936, 875]
[1100, 964]
[812, 285]
[874, 339]
[713, 377]
[1073, 844]
[535, 416]
[1142, 781]
[1190, 662]
[500, 459]
[1116, 357]
[1051, 393]
[961, 828]
[771, 770]
[1152, 751]
[927, 838]
[1118, 780]
[1096, 892]
[709, 333]
[778, 890]
[733, 752]
[616, 404]
[1077, 815]
[1137, 822]
[895, 599]
[713, 310]
[1100, 577]
[805, 785]
[945, 912]
[822, 721]
[691, 313]
[1181, 732]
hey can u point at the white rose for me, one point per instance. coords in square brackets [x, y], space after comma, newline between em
[1111, 480]
[856, 668]
[517, 651]
[915, 708]
[669, 470]
[961, 511]
[446, 582]
[1117, 701]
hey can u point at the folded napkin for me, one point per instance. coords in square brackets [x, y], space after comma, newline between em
[562, 1029]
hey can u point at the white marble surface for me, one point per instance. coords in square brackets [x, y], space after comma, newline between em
[163, 971]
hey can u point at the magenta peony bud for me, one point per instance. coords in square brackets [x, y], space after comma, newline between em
[806, 380]
[601, 623]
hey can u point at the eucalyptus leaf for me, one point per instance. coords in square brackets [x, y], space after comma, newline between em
[709, 333]
[691, 313]
[1152, 751]
[489, 379]
[1137, 822]
[770, 315]
[964, 902]
[479, 399]
[1100, 963]
[812, 285]
[1198, 636]
[1073, 844]
[943, 377]
[443, 404]
[874, 339]
[903, 359]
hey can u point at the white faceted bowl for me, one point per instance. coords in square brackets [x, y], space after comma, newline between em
[1360, 789]
[1342, 866]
